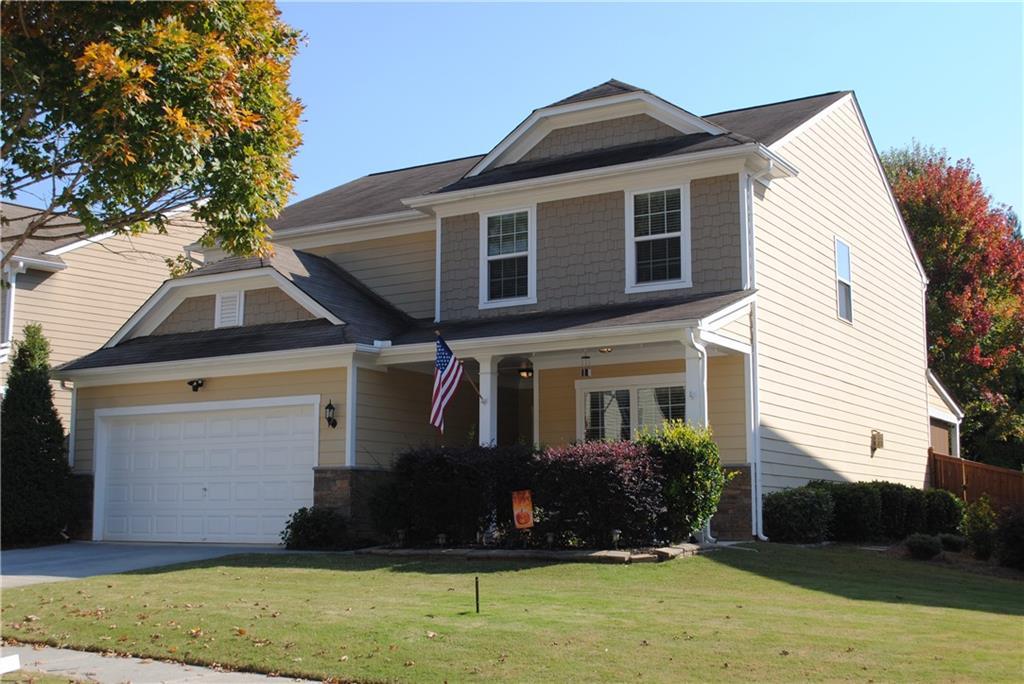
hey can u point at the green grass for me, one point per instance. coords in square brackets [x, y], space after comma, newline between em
[777, 614]
[29, 677]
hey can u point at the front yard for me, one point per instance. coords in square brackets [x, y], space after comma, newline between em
[777, 613]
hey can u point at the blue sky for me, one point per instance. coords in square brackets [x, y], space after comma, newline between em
[389, 85]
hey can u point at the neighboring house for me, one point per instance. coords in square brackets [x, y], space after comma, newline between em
[81, 290]
[614, 261]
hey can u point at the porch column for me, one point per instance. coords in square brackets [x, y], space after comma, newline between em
[696, 381]
[488, 423]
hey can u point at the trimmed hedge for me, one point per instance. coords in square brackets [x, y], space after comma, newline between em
[857, 512]
[801, 515]
[944, 511]
[319, 529]
[904, 510]
[1010, 538]
[923, 546]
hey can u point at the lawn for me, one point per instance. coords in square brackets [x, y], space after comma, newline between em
[776, 613]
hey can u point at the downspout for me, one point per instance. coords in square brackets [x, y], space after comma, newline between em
[756, 475]
[702, 352]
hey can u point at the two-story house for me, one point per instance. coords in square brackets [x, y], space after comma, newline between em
[613, 262]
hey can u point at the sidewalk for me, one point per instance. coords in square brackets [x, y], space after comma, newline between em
[93, 667]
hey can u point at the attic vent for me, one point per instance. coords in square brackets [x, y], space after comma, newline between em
[229, 309]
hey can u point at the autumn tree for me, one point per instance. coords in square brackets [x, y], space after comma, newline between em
[973, 254]
[117, 113]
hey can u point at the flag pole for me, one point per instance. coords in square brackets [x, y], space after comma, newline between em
[466, 376]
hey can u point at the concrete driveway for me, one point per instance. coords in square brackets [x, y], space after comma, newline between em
[20, 567]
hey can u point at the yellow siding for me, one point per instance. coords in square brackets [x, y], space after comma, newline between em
[329, 383]
[826, 384]
[81, 307]
[726, 412]
[738, 330]
[400, 269]
[391, 415]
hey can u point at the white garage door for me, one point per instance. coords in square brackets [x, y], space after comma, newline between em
[219, 475]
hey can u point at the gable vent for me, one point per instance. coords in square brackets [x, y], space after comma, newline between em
[229, 309]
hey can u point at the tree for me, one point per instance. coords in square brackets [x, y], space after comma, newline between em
[116, 114]
[973, 253]
[34, 476]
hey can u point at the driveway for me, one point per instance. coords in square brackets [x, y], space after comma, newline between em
[20, 567]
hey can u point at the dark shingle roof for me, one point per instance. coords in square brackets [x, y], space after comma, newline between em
[214, 343]
[381, 193]
[367, 315]
[378, 193]
[623, 315]
[44, 240]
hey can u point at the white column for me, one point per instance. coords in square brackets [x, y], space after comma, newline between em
[696, 382]
[351, 398]
[956, 440]
[488, 424]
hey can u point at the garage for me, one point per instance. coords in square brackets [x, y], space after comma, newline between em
[224, 472]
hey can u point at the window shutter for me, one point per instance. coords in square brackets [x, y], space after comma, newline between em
[229, 310]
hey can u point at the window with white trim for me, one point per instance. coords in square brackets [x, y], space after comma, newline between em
[616, 408]
[230, 309]
[658, 239]
[844, 282]
[507, 258]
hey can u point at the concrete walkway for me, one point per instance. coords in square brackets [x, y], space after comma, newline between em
[93, 667]
[20, 567]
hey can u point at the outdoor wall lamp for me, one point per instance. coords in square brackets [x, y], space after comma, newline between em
[329, 414]
[196, 384]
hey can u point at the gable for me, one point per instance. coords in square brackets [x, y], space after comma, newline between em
[600, 135]
[259, 307]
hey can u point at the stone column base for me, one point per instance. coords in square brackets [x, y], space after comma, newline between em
[349, 490]
[732, 520]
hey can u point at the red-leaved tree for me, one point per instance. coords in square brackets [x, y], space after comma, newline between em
[973, 253]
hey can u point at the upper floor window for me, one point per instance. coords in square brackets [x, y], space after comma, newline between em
[844, 281]
[658, 239]
[508, 258]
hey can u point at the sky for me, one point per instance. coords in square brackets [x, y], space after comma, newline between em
[387, 86]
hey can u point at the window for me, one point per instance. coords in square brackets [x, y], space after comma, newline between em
[507, 258]
[658, 239]
[844, 281]
[229, 309]
[616, 408]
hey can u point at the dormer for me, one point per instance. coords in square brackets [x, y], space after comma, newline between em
[608, 115]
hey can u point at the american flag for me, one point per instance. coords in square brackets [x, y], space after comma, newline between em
[447, 373]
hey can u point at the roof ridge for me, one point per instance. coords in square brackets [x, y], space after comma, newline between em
[772, 104]
[420, 166]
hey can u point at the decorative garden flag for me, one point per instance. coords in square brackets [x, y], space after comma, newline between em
[522, 509]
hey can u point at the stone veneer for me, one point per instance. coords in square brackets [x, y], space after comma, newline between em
[600, 135]
[349, 490]
[732, 520]
[581, 252]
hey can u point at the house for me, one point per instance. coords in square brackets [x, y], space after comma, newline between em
[612, 262]
[81, 290]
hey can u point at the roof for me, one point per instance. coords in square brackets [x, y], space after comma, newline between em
[377, 193]
[214, 343]
[365, 314]
[43, 240]
[624, 315]
[381, 193]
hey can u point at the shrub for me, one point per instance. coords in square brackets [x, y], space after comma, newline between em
[316, 529]
[586, 490]
[944, 511]
[693, 475]
[1010, 538]
[952, 542]
[904, 510]
[980, 528]
[800, 515]
[37, 493]
[923, 546]
[857, 510]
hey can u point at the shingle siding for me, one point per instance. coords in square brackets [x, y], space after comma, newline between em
[580, 253]
[193, 314]
[600, 135]
[271, 305]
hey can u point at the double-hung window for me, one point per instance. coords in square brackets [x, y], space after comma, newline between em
[844, 281]
[508, 258]
[658, 239]
[616, 408]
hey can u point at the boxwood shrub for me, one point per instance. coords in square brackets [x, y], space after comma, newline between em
[944, 511]
[316, 528]
[857, 510]
[801, 515]
[1010, 538]
[923, 546]
[904, 510]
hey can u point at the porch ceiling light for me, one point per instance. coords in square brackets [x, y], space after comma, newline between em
[585, 366]
[525, 371]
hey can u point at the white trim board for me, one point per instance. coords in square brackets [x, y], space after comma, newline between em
[946, 396]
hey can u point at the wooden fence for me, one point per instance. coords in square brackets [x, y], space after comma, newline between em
[970, 479]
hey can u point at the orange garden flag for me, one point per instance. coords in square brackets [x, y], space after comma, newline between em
[522, 509]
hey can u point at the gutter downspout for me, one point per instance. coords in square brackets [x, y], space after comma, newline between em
[702, 352]
[756, 475]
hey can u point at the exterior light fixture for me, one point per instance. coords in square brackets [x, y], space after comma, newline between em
[585, 366]
[196, 384]
[605, 350]
[525, 371]
[329, 414]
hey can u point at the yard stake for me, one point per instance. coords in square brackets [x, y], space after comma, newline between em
[477, 581]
